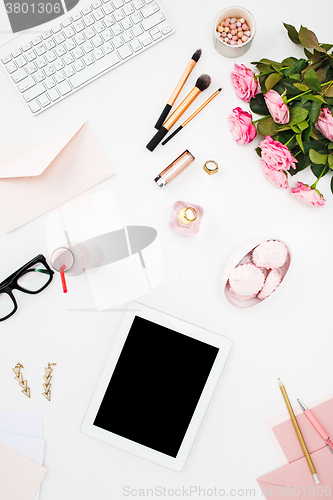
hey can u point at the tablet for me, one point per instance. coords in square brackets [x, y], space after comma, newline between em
[156, 385]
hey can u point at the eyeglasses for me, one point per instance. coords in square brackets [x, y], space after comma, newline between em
[32, 278]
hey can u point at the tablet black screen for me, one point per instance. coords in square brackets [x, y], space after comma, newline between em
[155, 386]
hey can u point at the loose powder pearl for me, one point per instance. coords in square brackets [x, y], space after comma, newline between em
[232, 26]
[247, 33]
[235, 38]
[245, 27]
[232, 42]
[233, 32]
[244, 38]
[232, 21]
[223, 35]
[240, 34]
[226, 30]
[238, 24]
[220, 29]
[242, 20]
[229, 35]
[239, 42]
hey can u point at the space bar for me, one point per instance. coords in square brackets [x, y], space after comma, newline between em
[95, 69]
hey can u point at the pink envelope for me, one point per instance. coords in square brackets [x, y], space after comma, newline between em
[295, 479]
[49, 175]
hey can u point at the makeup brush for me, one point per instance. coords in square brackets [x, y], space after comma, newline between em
[193, 61]
[191, 117]
[201, 84]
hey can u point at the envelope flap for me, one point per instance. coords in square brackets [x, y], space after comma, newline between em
[34, 162]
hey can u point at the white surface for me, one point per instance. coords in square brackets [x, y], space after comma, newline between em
[138, 310]
[291, 337]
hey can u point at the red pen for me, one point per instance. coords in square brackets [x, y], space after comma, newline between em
[317, 425]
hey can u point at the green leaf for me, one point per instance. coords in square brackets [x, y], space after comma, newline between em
[299, 141]
[321, 75]
[272, 80]
[317, 170]
[295, 129]
[306, 135]
[328, 91]
[330, 161]
[311, 97]
[330, 146]
[264, 68]
[303, 162]
[317, 145]
[296, 77]
[270, 62]
[292, 33]
[326, 46]
[314, 111]
[258, 105]
[287, 84]
[308, 53]
[301, 86]
[267, 126]
[297, 67]
[311, 80]
[308, 39]
[317, 158]
[303, 125]
[262, 83]
[258, 150]
[289, 61]
[297, 115]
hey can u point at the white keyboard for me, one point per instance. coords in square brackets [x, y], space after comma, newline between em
[83, 47]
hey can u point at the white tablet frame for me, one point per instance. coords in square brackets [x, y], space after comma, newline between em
[222, 343]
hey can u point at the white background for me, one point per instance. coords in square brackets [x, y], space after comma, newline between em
[289, 336]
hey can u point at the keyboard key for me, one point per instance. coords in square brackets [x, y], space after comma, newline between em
[107, 9]
[70, 44]
[97, 4]
[128, 9]
[89, 20]
[21, 61]
[53, 94]
[98, 54]
[136, 45]
[11, 67]
[152, 21]
[98, 14]
[166, 30]
[117, 42]
[32, 68]
[18, 75]
[41, 62]
[137, 30]
[78, 52]
[6, 59]
[69, 32]
[147, 41]
[136, 17]
[99, 27]
[88, 47]
[118, 3]
[107, 35]
[50, 83]
[59, 38]
[107, 47]
[76, 16]
[49, 43]
[31, 55]
[69, 71]
[79, 38]
[34, 106]
[79, 26]
[49, 70]
[51, 56]
[56, 28]
[60, 50]
[117, 29]
[26, 46]
[47, 34]
[86, 10]
[44, 100]
[79, 65]
[58, 65]
[109, 21]
[40, 49]
[95, 69]
[97, 41]
[127, 36]
[88, 59]
[138, 4]
[126, 23]
[89, 33]
[66, 22]
[34, 92]
[16, 53]
[36, 40]
[150, 9]
[60, 76]
[157, 35]
[68, 58]
[40, 76]
[64, 88]
[125, 51]
[119, 15]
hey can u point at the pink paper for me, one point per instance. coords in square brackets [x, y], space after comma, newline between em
[20, 477]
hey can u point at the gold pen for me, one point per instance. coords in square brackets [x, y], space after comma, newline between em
[298, 432]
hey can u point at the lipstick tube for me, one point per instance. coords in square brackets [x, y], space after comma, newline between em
[174, 168]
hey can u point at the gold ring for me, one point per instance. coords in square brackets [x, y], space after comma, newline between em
[211, 170]
[194, 210]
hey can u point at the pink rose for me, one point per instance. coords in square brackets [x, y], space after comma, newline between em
[278, 178]
[325, 123]
[309, 195]
[276, 155]
[277, 108]
[241, 126]
[243, 80]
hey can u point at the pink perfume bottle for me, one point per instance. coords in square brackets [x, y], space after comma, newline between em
[186, 218]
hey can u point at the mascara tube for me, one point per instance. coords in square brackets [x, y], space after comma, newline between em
[174, 168]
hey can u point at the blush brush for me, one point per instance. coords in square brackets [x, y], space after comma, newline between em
[201, 84]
